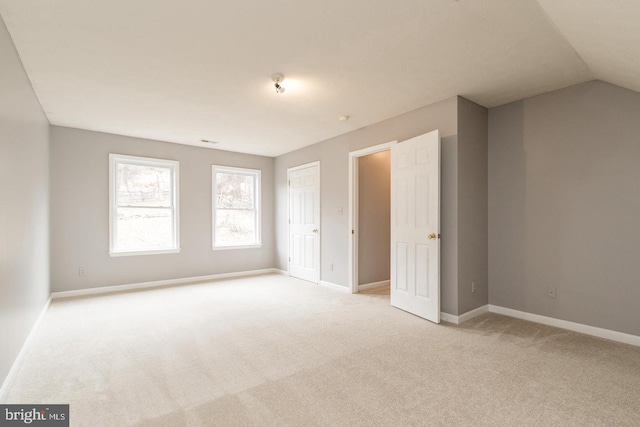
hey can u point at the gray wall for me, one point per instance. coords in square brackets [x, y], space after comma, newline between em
[374, 217]
[333, 155]
[472, 205]
[80, 212]
[24, 209]
[564, 203]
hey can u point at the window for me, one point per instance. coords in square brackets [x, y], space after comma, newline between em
[236, 207]
[143, 205]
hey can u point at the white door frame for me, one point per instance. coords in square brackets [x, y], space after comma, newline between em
[353, 208]
[293, 169]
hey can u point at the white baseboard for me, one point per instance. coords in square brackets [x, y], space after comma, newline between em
[550, 321]
[23, 351]
[335, 287]
[159, 283]
[451, 318]
[565, 324]
[374, 285]
[283, 272]
[473, 313]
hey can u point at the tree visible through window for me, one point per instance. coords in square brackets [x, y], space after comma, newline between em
[236, 207]
[143, 205]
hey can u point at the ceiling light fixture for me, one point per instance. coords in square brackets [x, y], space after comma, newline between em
[277, 79]
[344, 118]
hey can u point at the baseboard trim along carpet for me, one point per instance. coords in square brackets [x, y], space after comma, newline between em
[452, 318]
[334, 286]
[159, 283]
[549, 321]
[565, 324]
[449, 318]
[374, 285]
[23, 351]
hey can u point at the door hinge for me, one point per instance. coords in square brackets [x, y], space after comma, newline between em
[353, 231]
[289, 259]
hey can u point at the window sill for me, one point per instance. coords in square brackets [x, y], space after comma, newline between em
[136, 253]
[224, 248]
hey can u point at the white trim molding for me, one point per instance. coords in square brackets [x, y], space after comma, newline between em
[544, 320]
[160, 283]
[334, 286]
[473, 313]
[353, 209]
[23, 351]
[256, 207]
[137, 253]
[374, 285]
[174, 207]
[449, 318]
[571, 326]
[452, 318]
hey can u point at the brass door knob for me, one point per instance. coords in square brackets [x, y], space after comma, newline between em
[433, 236]
[315, 230]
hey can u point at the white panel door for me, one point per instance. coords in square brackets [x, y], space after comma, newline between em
[415, 226]
[304, 223]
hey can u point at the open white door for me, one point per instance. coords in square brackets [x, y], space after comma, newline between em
[415, 226]
[304, 222]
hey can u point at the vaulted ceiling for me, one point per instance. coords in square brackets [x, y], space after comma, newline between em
[182, 71]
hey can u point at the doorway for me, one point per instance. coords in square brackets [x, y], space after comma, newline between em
[414, 225]
[374, 222]
[371, 258]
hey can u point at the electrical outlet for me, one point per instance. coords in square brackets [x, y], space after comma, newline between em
[82, 271]
[473, 287]
[340, 210]
[551, 292]
[331, 267]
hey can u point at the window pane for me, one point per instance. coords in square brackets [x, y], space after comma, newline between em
[234, 191]
[144, 229]
[235, 228]
[140, 185]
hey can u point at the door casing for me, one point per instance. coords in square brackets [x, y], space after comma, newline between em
[353, 208]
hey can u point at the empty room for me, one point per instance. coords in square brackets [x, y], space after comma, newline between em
[320, 213]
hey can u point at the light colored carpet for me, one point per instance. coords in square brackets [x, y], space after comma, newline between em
[271, 350]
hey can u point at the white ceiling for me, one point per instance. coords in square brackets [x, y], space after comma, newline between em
[181, 71]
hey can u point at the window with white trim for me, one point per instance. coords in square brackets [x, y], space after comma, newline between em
[143, 199]
[236, 207]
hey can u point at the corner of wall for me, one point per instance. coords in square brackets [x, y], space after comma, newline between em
[473, 289]
[561, 162]
[24, 226]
